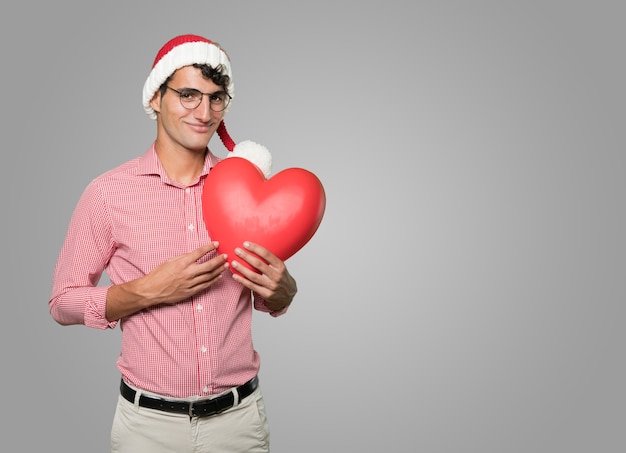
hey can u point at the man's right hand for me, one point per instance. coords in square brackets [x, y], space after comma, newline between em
[175, 280]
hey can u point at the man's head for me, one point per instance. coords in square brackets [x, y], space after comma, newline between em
[187, 50]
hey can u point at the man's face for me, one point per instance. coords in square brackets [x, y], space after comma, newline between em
[182, 127]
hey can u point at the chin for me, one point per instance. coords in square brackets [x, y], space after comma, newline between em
[197, 147]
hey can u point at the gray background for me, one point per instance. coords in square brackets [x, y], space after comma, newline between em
[465, 290]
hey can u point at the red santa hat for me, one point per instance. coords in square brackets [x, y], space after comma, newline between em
[185, 50]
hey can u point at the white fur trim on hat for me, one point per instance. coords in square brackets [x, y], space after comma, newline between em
[183, 51]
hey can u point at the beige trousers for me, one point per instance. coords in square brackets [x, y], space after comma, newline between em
[242, 428]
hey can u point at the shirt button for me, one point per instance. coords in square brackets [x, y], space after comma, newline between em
[205, 390]
[203, 349]
[199, 307]
[188, 190]
[190, 227]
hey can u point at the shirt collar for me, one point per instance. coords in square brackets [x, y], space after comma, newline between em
[149, 163]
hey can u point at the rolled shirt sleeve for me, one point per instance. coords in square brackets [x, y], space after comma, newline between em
[88, 246]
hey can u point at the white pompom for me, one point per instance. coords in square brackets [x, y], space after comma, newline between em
[255, 153]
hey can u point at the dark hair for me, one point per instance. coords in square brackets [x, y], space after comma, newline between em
[208, 72]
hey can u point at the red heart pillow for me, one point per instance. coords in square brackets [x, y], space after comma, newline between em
[281, 213]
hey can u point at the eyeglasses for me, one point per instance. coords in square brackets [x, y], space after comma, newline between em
[190, 98]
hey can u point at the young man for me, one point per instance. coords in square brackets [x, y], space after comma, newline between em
[188, 365]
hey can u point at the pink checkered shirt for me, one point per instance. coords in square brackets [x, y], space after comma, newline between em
[128, 221]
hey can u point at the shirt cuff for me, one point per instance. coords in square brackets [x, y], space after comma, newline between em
[259, 304]
[95, 310]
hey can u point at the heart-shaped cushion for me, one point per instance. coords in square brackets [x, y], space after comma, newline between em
[281, 213]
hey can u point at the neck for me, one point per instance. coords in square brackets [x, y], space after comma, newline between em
[181, 165]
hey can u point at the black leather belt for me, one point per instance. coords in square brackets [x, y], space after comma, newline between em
[201, 408]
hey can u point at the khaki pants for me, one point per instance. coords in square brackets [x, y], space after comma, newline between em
[242, 428]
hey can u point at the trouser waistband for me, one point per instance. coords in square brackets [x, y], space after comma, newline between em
[201, 408]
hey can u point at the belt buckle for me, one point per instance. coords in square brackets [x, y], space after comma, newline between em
[214, 408]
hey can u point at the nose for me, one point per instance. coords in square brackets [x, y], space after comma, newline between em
[203, 111]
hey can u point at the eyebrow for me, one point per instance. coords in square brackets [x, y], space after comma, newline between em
[195, 89]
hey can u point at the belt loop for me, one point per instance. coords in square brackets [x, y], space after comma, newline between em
[137, 397]
[235, 397]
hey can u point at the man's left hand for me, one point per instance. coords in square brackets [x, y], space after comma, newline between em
[272, 282]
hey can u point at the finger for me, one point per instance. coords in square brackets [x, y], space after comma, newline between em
[269, 264]
[198, 253]
[267, 279]
[255, 262]
[208, 277]
[262, 252]
[217, 264]
[250, 279]
[207, 281]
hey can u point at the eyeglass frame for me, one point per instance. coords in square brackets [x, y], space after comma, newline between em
[180, 97]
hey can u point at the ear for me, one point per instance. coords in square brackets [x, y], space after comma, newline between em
[155, 102]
